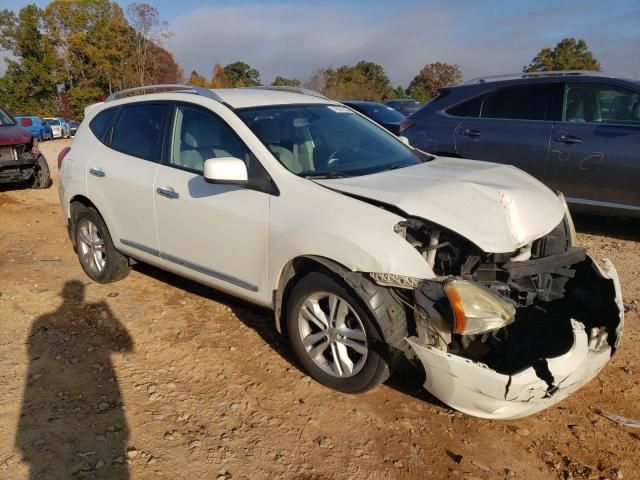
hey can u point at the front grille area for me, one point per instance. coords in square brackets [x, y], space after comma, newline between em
[8, 154]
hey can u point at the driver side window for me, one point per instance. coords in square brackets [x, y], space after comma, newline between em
[198, 135]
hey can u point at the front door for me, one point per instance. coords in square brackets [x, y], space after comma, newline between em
[217, 233]
[595, 149]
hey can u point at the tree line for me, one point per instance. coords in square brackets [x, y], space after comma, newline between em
[76, 52]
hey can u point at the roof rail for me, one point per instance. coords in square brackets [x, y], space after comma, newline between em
[301, 90]
[556, 73]
[205, 92]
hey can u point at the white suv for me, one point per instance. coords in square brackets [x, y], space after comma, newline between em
[371, 253]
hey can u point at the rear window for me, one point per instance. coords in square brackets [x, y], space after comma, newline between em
[5, 118]
[100, 123]
[138, 130]
[524, 102]
[470, 108]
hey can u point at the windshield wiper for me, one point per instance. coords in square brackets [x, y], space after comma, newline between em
[326, 175]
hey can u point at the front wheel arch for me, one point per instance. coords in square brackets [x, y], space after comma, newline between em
[390, 316]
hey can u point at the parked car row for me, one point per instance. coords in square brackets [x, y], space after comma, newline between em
[48, 128]
[371, 252]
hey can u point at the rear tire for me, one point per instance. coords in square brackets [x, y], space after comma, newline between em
[98, 256]
[334, 336]
[41, 177]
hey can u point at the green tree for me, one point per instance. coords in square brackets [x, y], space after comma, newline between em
[568, 54]
[399, 92]
[241, 74]
[286, 82]
[29, 83]
[363, 81]
[432, 77]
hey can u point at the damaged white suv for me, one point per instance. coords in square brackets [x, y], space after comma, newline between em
[369, 251]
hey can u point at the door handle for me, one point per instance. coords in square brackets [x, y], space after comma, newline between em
[565, 138]
[97, 172]
[469, 132]
[167, 192]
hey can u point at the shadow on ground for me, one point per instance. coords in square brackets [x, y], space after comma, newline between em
[618, 227]
[408, 381]
[72, 424]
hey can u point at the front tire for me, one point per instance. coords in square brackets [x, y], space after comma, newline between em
[41, 177]
[98, 256]
[334, 336]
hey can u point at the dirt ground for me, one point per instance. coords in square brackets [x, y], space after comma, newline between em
[157, 377]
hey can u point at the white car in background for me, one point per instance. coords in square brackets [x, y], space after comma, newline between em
[59, 127]
[370, 252]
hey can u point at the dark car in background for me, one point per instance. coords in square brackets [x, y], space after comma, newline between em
[20, 157]
[73, 127]
[578, 132]
[405, 106]
[38, 127]
[379, 113]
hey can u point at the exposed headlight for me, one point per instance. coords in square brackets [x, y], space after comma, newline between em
[569, 220]
[393, 280]
[477, 309]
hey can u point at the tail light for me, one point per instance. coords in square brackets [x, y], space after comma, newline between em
[61, 155]
[406, 123]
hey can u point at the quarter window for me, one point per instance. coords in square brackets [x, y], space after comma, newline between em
[100, 123]
[527, 102]
[198, 135]
[601, 104]
[138, 130]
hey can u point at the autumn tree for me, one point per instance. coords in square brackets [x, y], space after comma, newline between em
[240, 74]
[286, 82]
[219, 77]
[432, 77]
[197, 80]
[568, 54]
[149, 31]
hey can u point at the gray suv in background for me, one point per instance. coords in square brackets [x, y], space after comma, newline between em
[578, 132]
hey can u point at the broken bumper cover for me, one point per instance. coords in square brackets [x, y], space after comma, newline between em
[478, 390]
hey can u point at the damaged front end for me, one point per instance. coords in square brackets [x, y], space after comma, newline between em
[506, 335]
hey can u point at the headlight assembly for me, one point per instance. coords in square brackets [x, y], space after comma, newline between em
[476, 309]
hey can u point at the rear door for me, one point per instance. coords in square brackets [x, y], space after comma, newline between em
[121, 174]
[595, 148]
[511, 125]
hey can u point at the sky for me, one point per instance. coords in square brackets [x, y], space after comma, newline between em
[293, 39]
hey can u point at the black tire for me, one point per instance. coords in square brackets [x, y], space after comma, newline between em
[116, 265]
[41, 177]
[375, 369]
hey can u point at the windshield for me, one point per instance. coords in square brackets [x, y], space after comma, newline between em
[5, 118]
[327, 141]
[383, 113]
[52, 121]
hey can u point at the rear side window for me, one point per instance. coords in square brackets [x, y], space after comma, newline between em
[470, 108]
[523, 102]
[100, 123]
[138, 131]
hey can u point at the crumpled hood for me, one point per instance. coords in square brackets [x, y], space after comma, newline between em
[497, 207]
[14, 135]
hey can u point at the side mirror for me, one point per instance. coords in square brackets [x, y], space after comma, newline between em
[404, 140]
[26, 122]
[225, 170]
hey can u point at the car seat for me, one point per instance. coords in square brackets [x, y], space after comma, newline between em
[268, 130]
[201, 138]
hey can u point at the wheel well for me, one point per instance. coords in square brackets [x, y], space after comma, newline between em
[391, 316]
[294, 270]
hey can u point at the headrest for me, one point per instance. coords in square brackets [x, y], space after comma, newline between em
[200, 131]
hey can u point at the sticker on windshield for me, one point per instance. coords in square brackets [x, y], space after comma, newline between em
[340, 109]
